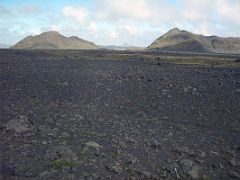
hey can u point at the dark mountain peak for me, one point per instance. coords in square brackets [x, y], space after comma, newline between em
[53, 40]
[181, 40]
[75, 37]
[173, 31]
[176, 31]
[51, 34]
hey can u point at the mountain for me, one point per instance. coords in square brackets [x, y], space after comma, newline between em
[120, 48]
[53, 40]
[123, 47]
[113, 47]
[180, 40]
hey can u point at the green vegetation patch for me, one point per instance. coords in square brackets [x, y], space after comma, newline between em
[237, 60]
[228, 156]
[207, 61]
[60, 163]
[236, 130]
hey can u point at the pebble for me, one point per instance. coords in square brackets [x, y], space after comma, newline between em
[234, 163]
[93, 144]
[221, 166]
[194, 172]
[186, 164]
[234, 174]
[114, 167]
[19, 124]
[156, 145]
[190, 168]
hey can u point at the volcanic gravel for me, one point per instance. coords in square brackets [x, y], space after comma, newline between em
[75, 118]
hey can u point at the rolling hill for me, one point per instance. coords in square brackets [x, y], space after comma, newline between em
[53, 40]
[180, 40]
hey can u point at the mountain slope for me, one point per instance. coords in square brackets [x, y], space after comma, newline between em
[53, 40]
[180, 40]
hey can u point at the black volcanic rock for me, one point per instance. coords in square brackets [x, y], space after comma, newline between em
[117, 115]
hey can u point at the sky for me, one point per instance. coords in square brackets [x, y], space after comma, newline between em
[117, 22]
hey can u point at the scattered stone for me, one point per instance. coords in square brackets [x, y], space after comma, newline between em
[187, 151]
[190, 168]
[20, 124]
[93, 144]
[92, 148]
[143, 174]
[190, 89]
[194, 172]
[46, 130]
[131, 140]
[221, 166]
[48, 174]
[214, 153]
[132, 160]
[63, 116]
[186, 164]
[79, 116]
[234, 174]
[156, 145]
[146, 174]
[234, 163]
[162, 172]
[114, 167]
[135, 135]
[202, 154]
[60, 152]
[65, 135]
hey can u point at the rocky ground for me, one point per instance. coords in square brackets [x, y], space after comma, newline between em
[81, 118]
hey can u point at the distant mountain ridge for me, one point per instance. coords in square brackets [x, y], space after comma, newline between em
[53, 40]
[121, 48]
[181, 40]
[4, 46]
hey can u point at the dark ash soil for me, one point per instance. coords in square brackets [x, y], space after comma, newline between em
[83, 117]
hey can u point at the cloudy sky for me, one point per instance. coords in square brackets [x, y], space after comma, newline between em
[118, 22]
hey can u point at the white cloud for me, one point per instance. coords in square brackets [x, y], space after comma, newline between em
[137, 22]
[130, 20]
[93, 27]
[78, 13]
[28, 9]
[54, 27]
[130, 29]
[231, 11]
[113, 35]
[35, 32]
[134, 9]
